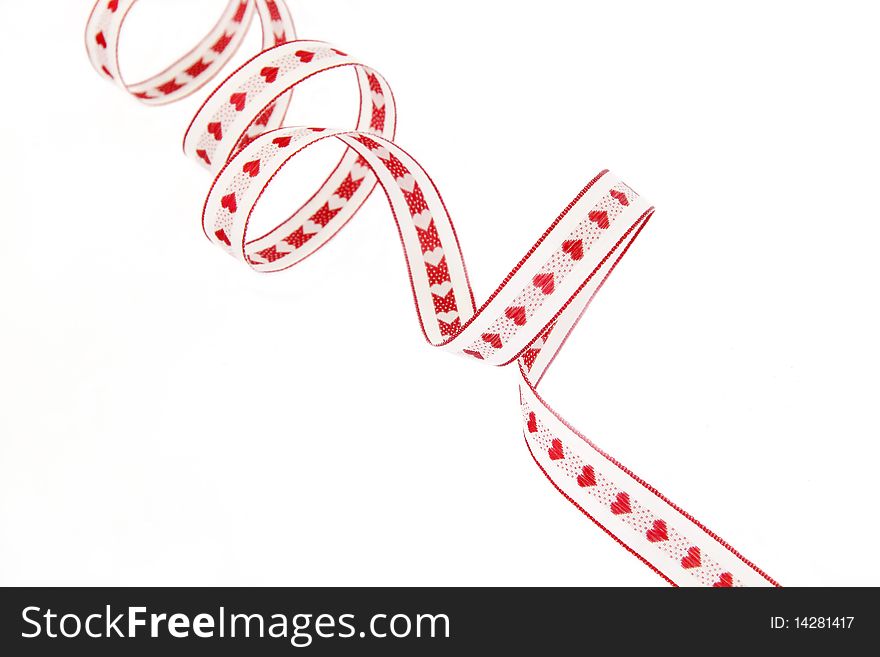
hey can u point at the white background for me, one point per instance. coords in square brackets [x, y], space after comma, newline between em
[169, 417]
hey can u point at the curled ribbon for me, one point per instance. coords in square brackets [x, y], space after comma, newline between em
[239, 136]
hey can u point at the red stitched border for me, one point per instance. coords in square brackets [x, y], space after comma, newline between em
[648, 486]
[522, 261]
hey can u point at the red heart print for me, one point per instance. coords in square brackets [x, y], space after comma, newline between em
[475, 354]
[281, 142]
[587, 477]
[574, 248]
[533, 423]
[493, 339]
[113, 5]
[238, 100]
[202, 153]
[517, 314]
[109, 74]
[600, 217]
[621, 504]
[658, 532]
[252, 168]
[221, 235]
[229, 203]
[543, 282]
[216, 129]
[269, 73]
[692, 558]
[725, 581]
[100, 40]
[305, 56]
[555, 450]
[620, 197]
[339, 52]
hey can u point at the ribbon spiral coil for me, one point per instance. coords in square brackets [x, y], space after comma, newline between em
[239, 135]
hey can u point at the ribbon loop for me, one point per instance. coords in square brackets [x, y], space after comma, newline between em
[192, 71]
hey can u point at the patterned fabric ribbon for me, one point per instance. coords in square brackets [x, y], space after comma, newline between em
[239, 135]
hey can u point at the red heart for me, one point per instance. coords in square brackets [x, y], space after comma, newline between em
[109, 74]
[305, 56]
[202, 153]
[725, 581]
[281, 142]
[113, 5]
[493, 339]
[587, 477]
[517, 314]
[544, 282]
[555, 450]
[252, 167]
[229, 203]
[658, 532]
[221, 235]
[691, 559]
[533, 423]
[270, 73]
[265, 115]
[238, 101]
[100, 40]
[216, 129]
[339, 52]
[574, 248]
[620, 196]
[621, 504]
[475, 354]
[600, 217]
